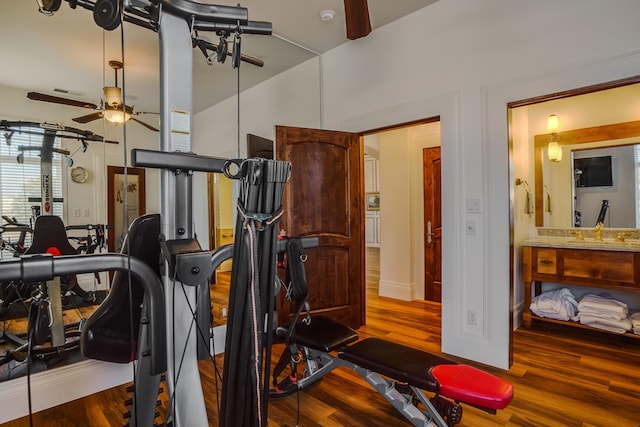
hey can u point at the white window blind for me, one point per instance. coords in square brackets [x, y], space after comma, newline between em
[19, 182]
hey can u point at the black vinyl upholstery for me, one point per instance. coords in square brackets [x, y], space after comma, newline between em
[107, 333]
[395, 361]
[49, 231]
[323, 333]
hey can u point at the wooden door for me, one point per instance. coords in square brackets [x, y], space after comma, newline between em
[432, 224]
[324, 198]
[133, 195]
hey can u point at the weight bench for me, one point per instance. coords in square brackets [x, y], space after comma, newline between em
[401, 374]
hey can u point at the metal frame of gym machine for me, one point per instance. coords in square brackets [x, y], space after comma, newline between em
[185, 264]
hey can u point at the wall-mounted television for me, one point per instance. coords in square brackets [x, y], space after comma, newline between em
[594, 171]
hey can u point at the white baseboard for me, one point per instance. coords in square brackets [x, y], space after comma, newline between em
[517, 315]
[66, 383]
[60, 385]
[396, 290]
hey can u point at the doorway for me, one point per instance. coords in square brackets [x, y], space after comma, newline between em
[395, 223]
[545, 194]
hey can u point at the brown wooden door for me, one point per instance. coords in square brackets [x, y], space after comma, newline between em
[432, 224]
[324, 198]
[120, 217]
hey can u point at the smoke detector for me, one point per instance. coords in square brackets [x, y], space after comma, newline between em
[327, 15]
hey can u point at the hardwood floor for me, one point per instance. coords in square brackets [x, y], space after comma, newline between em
[562, 377]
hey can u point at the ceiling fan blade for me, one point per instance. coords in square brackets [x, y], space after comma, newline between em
[148, 126]
[36, 96]
[98, 138]
[357, 17]
[88, 118]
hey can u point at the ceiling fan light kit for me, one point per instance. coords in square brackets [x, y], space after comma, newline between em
[112, 95]
[116, 116]
[111, 107]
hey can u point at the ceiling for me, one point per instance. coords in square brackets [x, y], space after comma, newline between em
[69, 52]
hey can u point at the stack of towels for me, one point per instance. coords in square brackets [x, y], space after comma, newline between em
[635, 323]
[559, 304]
[604, 312]
[597, 311]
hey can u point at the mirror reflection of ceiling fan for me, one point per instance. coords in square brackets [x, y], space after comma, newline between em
[111, 107]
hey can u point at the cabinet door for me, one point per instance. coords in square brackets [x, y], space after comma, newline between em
[370, 174]
[372, 229]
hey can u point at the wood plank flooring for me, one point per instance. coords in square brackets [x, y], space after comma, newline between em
[562, 377]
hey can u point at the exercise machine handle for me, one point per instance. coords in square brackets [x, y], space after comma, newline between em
[46, 267]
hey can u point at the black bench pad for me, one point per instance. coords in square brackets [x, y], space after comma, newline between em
[323, 334]
[395, 361]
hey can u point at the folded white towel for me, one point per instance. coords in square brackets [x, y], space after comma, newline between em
[635, 322]
[559, 304]
[603, 306]
[612, 325]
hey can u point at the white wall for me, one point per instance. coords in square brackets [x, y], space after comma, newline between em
[396, 279]
[291, 99]
[464, 60]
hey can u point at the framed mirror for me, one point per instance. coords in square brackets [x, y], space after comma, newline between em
[598, 164]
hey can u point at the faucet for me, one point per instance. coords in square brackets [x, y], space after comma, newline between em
[620, 237]
[579, 235]
[597, 232]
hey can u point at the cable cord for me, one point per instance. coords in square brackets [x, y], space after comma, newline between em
[201, 335]
[255, 296]
[125, 206]
[176, 374]
[29, 348]
[238, 107]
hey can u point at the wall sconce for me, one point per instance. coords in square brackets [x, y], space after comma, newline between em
[553, 149]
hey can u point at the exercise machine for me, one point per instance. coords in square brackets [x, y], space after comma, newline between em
[185, 268]
[12, 226]
[45, 299]
[401, 374]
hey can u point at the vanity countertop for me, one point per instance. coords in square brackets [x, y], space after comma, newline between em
[572, 243]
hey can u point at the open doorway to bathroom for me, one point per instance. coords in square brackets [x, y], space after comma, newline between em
[599, 121]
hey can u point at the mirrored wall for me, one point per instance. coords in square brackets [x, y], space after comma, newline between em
[91, 194]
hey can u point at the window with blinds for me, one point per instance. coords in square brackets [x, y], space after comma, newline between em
[20, 182]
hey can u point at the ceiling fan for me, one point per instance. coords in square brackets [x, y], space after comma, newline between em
[111, 107]
[357, 17]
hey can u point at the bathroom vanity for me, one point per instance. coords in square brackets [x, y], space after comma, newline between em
[608, 265]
